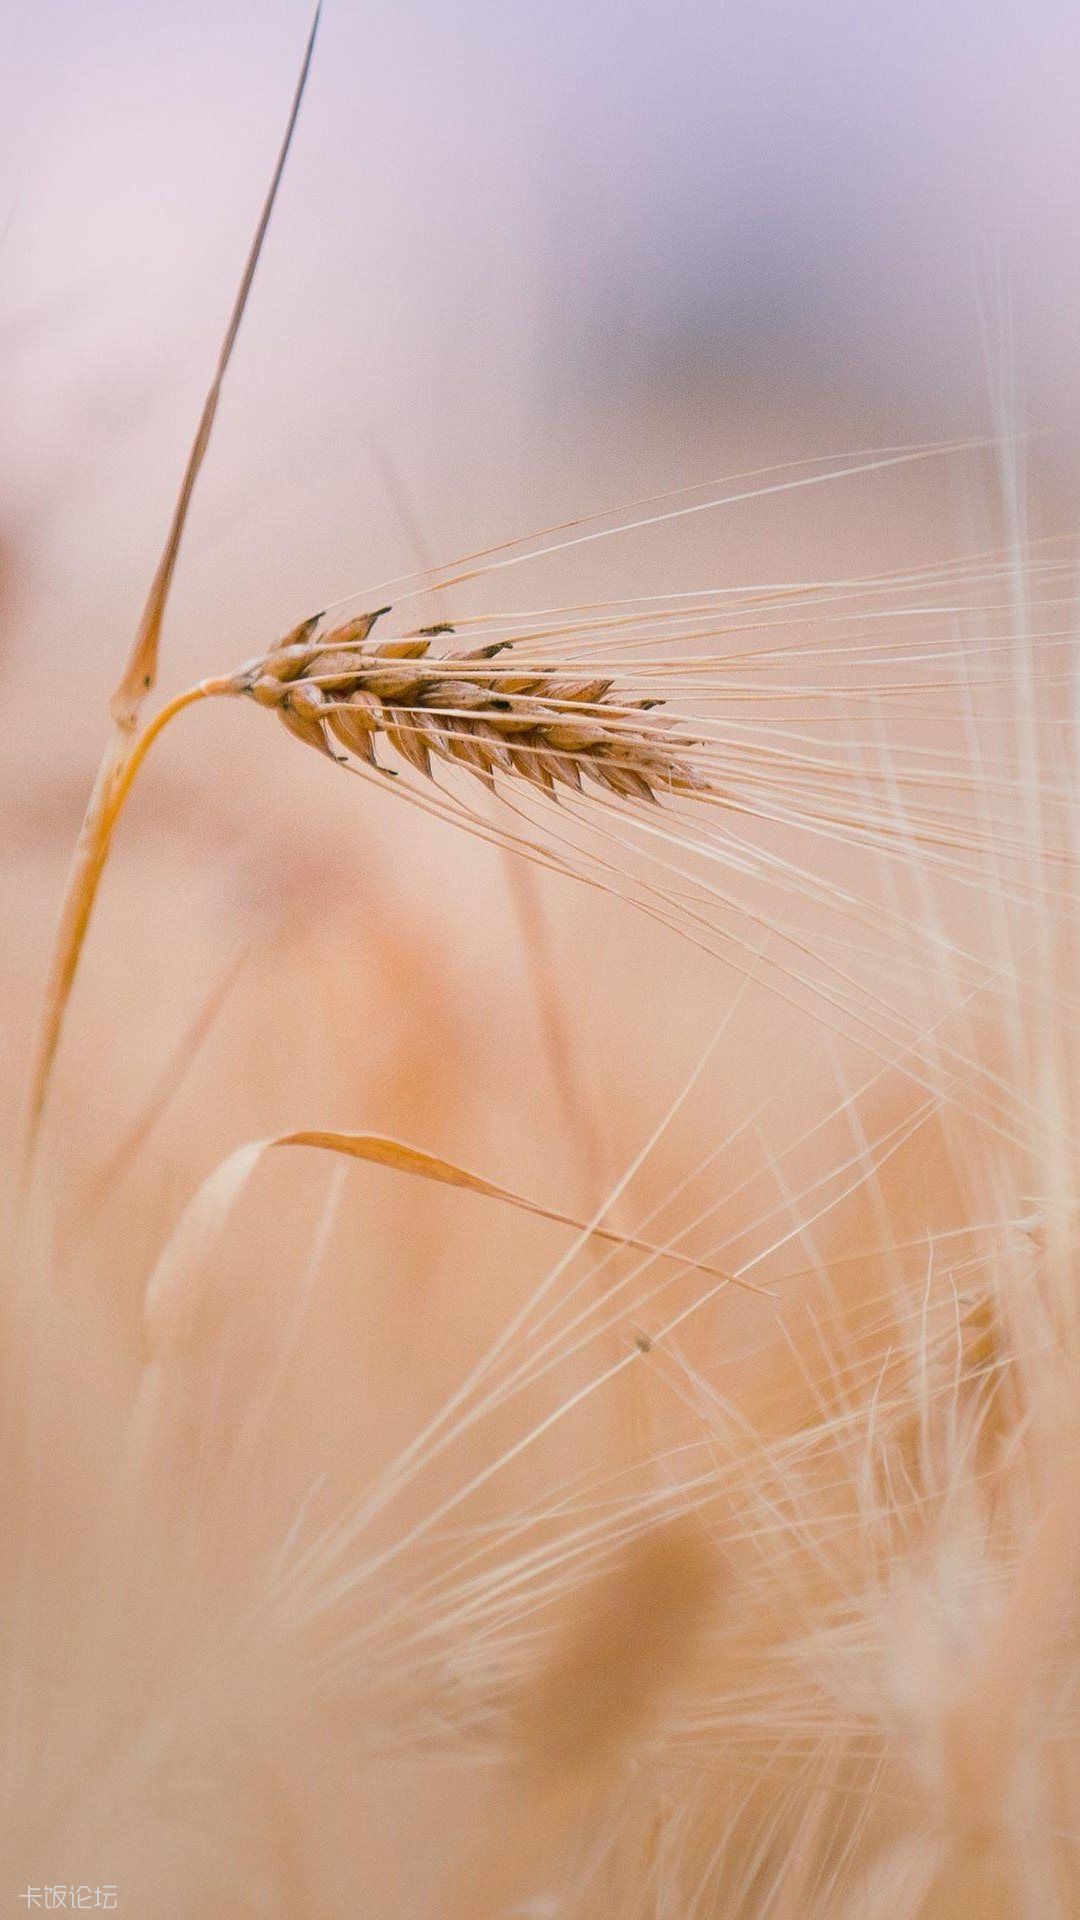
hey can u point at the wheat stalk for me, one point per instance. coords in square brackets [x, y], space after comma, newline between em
[124, 755]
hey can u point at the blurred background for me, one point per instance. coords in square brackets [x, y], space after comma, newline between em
[529, 262]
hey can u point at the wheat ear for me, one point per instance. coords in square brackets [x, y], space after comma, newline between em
[533, 723]
[538, 723]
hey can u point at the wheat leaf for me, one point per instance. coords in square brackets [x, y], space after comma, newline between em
[173, 1291]
[141, 670]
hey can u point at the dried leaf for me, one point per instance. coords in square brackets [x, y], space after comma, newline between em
[174, 1288]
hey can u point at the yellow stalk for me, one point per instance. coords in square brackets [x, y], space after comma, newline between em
[114, 782]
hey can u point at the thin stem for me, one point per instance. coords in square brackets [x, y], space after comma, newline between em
[111, 789]
[141, 670]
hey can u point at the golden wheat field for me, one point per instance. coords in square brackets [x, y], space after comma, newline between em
[540, 1341]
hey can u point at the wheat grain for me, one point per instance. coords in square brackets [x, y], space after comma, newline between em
[539, 723]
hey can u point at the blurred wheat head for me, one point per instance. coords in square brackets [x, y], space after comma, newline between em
[719, 1552]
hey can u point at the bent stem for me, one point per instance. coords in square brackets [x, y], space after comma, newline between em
[111, 789]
